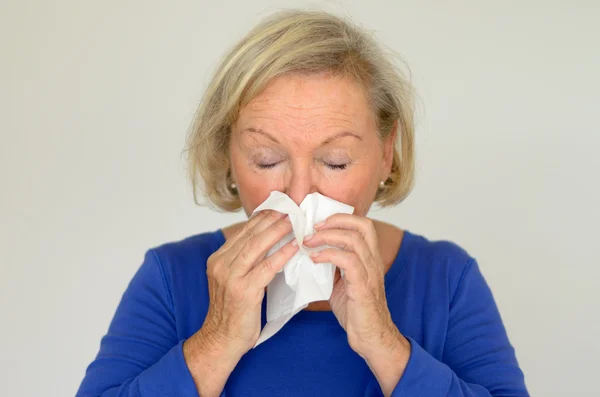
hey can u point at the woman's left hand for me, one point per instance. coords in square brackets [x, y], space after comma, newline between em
[358, 299]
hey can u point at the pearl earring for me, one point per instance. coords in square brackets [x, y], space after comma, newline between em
[381, 184]
[233, 186]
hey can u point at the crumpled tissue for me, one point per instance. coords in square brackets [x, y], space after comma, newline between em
[300, 282]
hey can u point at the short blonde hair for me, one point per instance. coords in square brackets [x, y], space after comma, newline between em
[298, 42]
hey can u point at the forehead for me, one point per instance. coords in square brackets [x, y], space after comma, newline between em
[318, 100]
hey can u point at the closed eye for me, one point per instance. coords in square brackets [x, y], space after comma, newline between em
[267, 166]
[336, 166]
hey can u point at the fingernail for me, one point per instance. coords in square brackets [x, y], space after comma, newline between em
[319, 224]
[308, 237]
[294, 243]
[314, 254]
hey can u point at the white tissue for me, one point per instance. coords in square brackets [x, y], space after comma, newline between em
[301, 281]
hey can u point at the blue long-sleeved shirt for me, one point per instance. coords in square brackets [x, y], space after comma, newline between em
[436, 294]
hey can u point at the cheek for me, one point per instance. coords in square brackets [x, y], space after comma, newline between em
[252, 193]
[252, 187]
[356, 189]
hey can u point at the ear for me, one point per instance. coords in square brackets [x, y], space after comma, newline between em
[389, 144]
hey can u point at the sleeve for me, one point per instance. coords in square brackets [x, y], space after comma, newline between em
[141, 355]
[478, 359]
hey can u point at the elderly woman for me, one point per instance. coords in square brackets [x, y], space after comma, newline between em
[306, 103]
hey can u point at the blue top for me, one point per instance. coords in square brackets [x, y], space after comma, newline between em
[436, 295]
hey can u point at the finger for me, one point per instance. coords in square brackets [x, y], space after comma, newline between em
[254, 226]
[344, 239]
[355, 272]
[262, 274]
[360, 224]
[264, 220]
[255, 248]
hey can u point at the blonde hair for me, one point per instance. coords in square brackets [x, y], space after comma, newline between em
[298, 42]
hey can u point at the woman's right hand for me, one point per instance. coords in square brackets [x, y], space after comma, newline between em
[237, 276]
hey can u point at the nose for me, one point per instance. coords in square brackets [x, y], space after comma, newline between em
[299, 183]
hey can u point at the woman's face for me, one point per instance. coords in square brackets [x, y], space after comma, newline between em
[305, 134]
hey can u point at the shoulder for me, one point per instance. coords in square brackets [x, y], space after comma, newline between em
[173, 279]
[439, 251]
[187, 257]
[203, 244]
[437, 261]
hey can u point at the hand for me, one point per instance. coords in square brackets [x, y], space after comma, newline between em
[358, 299]
[237, 276]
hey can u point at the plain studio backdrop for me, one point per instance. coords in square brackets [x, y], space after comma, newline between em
[97, 98]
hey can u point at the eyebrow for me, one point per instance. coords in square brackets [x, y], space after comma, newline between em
[325, 142]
